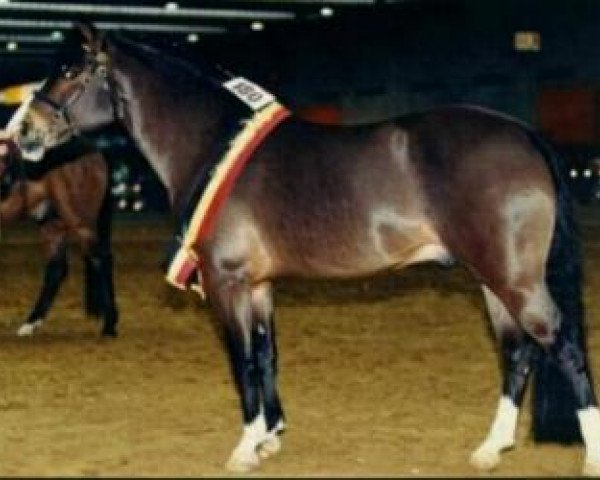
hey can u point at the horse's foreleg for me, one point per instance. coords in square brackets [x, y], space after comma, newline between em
[99, 276]
[572, 363]
[517, 356]
[55, 273]
[265, 353]
[92, 297]
[230, 296]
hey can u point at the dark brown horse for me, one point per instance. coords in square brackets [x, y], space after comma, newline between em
[323, 201]
[68, 195]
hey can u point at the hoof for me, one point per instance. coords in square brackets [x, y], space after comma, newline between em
[484, 459]
[109, 333]
[27, 329]
[269, 447]
[591, 468]
[242, 463]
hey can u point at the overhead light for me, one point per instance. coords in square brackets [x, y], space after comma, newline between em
[132, 10]
[12, 23]
[11, 46]
[57, 35]
[326, 12]
[192, 37]
[343, 2]
[170, 6]
[257, 26]
[31, 38]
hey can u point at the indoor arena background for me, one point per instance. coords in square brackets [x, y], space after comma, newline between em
[393, 375]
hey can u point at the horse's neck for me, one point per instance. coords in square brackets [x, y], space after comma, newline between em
[175, 133]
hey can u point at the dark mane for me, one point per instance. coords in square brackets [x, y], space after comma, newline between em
[184, 75]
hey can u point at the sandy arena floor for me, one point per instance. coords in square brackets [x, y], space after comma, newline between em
[390, 376]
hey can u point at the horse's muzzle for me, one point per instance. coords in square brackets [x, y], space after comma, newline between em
[30, 142]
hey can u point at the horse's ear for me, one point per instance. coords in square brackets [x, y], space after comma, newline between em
[86, 30]
[91, 37]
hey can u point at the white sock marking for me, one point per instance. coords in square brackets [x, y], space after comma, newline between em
[27, 329]
[500, 436]
[589, 422]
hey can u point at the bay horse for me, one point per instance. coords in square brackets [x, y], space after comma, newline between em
[68, 195]
[454, 183]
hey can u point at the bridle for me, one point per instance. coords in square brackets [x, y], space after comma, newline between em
[96, 66]
[60, 111]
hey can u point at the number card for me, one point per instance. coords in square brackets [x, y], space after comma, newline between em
[249, 93]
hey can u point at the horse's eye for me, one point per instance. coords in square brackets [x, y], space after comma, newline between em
[69, 72]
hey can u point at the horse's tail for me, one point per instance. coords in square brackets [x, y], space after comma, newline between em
[554, 405]
[102, 249]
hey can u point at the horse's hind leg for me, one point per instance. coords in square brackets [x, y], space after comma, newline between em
[54, 274]
[517, 352]
[571, 361]
[538, 315]
[563, 348]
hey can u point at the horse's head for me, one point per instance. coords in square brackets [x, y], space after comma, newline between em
[76, 95]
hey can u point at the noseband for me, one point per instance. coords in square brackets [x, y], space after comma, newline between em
[60, 111]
